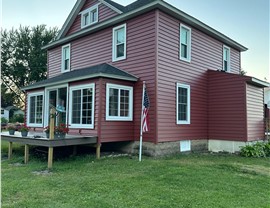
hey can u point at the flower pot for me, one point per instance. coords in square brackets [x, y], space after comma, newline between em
[11, 132]
[24, 133]
[59, 135]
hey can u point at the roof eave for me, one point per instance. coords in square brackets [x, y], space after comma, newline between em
[132, 79]
[258, 82]
[158, 4]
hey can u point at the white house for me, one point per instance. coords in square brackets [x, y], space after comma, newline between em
[4, 113]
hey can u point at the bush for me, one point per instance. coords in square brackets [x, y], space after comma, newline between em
[259, 149]
[4, 120]
[17, 118]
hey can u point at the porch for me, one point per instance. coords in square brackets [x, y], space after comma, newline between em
[38, 139]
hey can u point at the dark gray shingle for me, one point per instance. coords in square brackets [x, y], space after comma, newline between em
[101, 70]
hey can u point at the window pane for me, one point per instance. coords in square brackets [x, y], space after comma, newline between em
[32, 109]
[94, 15]
[87, 106]
[120, 50]
[39, 109]
[113, 102]
[76, 106]
[120, 36]
[182, 103]
[183, 51]
[124, 103]
[225, 54]
[86, 19]
[225, 65]
[184, 36]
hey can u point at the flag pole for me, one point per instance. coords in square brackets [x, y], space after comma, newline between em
[140, 151]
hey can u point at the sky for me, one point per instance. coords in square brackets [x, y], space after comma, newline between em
[245, 21]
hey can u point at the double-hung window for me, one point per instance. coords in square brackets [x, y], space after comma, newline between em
[226, 59]
[119, 43]
[182, 104]
[35, 109]
[82, 102]
[119, 103]
[89, 16]
[65, 58]
[185, 43]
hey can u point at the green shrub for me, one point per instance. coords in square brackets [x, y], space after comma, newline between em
[258, 149]
[17, 118]
[4, 120]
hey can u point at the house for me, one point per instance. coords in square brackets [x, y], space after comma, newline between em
[104, 52]
[4, 113]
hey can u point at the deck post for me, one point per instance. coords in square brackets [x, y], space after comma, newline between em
[98, 150]
[50, 152]
[26, 153]
[9, 150]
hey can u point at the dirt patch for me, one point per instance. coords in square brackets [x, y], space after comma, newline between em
[257, 169]
[43, 173]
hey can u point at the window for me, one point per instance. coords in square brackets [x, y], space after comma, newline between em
[81, 104]
[66, 58]
[89, 16]
[182, 104]
[226, 58]
[185, 43]
[119, 103]
[119, 43]
[56, 97]
[2, 112]
[35, 109]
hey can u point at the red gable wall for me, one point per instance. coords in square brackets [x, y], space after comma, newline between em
[104, 13]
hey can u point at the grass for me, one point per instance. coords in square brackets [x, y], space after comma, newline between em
[194, 180]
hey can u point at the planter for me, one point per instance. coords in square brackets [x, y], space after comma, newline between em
[24, 133]
[59, 135]
[11, 132]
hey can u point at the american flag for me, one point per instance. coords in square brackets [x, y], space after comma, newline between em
[145, 109]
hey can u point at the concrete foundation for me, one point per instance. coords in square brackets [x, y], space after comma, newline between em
[163, 148]
[227, 146]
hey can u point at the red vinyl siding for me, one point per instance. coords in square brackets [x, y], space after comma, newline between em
[104, 13]
[255, 113]
[206, 53]
[226, 106]
[112, 131]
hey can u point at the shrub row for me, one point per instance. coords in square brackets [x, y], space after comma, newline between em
[258, 149]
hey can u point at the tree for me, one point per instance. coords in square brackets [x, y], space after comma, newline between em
[23, 60]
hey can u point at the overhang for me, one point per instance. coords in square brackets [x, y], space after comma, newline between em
[101, 70]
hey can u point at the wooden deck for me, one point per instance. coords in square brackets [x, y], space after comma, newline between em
[38, 139]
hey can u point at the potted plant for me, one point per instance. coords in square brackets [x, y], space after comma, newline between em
[11, 129]
[60, 131]
[47, 131]
[24, 130]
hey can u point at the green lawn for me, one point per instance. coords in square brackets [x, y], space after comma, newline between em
[194, 180]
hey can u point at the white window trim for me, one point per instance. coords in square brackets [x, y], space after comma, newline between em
[188, 59]
[89, 10]
[114, 58]
[118, 118]
[229, 58]
[28, 109]
[80, 126]
[47, 90]
[188, 102]
[63, 61]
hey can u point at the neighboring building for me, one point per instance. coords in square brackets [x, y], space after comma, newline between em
[267, 96]
[105, 51]
[4, 113]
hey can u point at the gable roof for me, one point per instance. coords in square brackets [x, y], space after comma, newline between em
[132, 10]
[101, 70]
